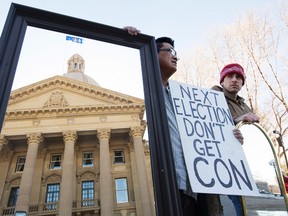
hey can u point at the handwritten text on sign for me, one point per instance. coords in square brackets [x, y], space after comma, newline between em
[214, 157]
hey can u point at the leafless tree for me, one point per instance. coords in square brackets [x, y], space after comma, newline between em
[259, 44]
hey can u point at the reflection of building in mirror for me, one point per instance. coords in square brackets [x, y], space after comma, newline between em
[69, 146]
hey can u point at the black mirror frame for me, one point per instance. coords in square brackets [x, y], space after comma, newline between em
[167, 202]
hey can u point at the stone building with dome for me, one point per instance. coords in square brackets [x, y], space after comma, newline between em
[71, 147]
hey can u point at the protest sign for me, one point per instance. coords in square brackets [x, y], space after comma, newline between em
[214, 158]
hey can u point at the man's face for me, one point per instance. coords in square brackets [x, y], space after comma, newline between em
[167, 61]
[232, 83]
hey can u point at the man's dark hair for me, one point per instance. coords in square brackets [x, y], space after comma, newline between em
[161, 40]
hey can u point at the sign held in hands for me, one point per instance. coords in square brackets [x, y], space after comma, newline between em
[214, 158]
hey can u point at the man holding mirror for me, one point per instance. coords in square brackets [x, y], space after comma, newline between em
[232, 79]
[190, 203]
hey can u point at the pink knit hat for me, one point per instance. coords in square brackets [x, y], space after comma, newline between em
[232, 68]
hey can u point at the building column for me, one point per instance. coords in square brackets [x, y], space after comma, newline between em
[3, 141]
[144, 187]
[106, 192]
[136, 189]
[26, 184]
[66, 187]
[4, 163]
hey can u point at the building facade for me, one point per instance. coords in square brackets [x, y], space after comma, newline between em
[70, 147]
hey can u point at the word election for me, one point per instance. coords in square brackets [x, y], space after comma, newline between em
[201, 107]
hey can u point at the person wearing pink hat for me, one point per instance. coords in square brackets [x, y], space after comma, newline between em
[232, 78]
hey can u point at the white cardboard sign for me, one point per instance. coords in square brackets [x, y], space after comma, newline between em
[215, 160]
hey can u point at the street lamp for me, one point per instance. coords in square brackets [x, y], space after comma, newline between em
[281, 144]
[273, 163]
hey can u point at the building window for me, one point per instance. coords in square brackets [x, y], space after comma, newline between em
[119, 156]
[88, 193]
[13, 197]
[121, 190]
[52, 196]
[87, 159]
[20, 164]
[55, 162]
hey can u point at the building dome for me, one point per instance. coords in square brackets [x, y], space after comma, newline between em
[76, 67]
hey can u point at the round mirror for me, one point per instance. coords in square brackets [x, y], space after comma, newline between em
[265, 169]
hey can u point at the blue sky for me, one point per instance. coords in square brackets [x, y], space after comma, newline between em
[186, 21]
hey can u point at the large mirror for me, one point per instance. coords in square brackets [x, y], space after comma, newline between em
[22, 52]
[262, 160]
